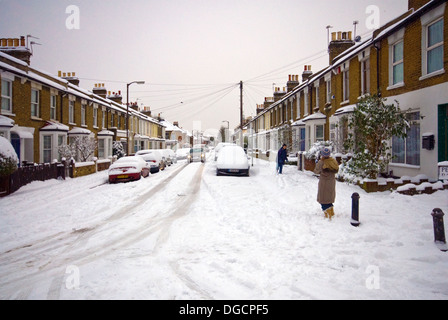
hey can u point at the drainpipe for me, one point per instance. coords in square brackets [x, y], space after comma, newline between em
[377, 46]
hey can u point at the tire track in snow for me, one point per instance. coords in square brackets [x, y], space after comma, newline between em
[55, 253]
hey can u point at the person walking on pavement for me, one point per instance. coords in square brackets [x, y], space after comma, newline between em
[327, 167]
[282, 157]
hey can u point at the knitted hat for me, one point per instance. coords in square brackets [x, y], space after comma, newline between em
[325, 152]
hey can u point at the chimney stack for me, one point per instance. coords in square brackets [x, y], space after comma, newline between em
[100, 90]
[115, 97]
[16, 47]
[417, 4]
[293, 81]
[278, 93]
[340, 41]
[307, 73]
[70, 77]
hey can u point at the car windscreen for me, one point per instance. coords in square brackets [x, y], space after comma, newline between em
[196, 150]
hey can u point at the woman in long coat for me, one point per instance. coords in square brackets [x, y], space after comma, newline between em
[327, 168]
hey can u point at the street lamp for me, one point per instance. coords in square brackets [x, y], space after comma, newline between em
[127, 113]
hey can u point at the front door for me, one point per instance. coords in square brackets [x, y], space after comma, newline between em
[15, 142]
[443, 132]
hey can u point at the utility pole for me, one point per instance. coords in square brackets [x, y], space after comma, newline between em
[241, 114]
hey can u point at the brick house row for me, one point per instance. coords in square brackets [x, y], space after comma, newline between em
[40, 112]
[405, 61]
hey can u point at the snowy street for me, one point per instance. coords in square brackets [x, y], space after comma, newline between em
[186, 233]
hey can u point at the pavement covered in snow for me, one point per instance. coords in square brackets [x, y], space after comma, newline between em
[186, 233]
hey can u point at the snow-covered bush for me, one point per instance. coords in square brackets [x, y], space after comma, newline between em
[373, 124]
[8, 158]
[118, 149]
[314, 151]
[80, 148]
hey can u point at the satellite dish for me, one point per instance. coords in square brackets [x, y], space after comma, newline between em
[358, 39]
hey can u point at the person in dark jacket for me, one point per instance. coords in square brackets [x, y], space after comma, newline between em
[282, 157]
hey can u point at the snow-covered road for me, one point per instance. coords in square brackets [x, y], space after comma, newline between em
[187, 234]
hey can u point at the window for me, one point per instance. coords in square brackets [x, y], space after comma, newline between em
[397, 63]
[6, 95]
[305, 97]
[111, 120]
[317, 97]
[345, 85]
[53, 107]
[34, 103]
[319, 133]
[434, 47]
[95, 117]
[61, 142]
[71, 111]
[47, 149]
[365, 76]
[101, 148]
[328, 84]
[83, 114]
[103, 120]
[407, 150]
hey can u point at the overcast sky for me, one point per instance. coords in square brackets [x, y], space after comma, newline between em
[191, 53]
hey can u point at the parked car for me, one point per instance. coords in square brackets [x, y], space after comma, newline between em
[196, 154]
[232, 160]
[154, 158]
[129, 168]
[171, 155]
[220, 146]
[182, 154]
[168, 156]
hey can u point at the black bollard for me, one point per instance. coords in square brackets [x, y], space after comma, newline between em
[355, 210]
[439, 229]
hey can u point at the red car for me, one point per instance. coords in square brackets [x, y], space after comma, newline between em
[128, 169]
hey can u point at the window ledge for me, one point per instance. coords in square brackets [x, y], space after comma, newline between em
[403, 165]
[7, 113]
[396, 86]
[432, 74]
[343, 103]
[36, 118]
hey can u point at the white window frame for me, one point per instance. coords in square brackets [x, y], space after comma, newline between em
[8, 97]
[53, 104]
[306, 102]
[345, 86]
[394, 40]
[365, 77]
[428, 20]
[35, 110]
[71, 111]
[316, 86]
[83, 114]
[328, 90]
[95, 116]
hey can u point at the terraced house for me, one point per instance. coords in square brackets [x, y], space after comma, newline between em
[40, 112]
[406, 61]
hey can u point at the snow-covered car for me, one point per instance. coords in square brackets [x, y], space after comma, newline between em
[154, 158]
[232, 160]
[168, 156]
[182, 153]
[220, 146]
[196, 154]
[129, 168]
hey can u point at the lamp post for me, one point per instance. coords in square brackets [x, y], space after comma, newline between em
[127, 113]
